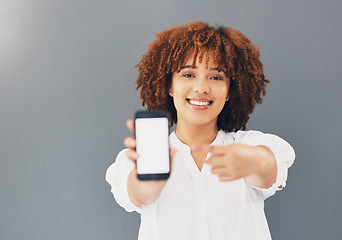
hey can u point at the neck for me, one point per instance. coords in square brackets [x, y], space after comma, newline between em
[196, 135]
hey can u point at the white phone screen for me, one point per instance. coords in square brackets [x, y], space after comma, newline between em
[152, 136]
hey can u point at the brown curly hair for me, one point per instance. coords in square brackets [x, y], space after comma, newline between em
[234, 54]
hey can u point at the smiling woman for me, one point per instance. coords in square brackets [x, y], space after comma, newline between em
[227, 50]
[209, 79]
[199, 93]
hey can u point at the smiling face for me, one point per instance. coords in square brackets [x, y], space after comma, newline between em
[199, 94]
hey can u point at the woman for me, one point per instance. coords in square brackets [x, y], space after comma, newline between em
[209, 79]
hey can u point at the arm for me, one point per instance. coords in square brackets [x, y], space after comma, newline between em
[262, 159]
[256, 164]
[267, 174]
[141, 192]
[281, 149]
[129, 192]
[125, 186]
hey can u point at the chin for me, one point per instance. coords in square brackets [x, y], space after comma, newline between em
[200, 122]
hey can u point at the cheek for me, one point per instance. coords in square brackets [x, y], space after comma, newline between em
[223, 91]
[177, 95]
[179, 90]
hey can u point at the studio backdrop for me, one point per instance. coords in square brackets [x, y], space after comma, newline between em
[67, 87]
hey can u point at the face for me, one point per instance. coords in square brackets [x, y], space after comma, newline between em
[199, 94]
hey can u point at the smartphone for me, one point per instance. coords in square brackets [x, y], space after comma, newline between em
[152, 144]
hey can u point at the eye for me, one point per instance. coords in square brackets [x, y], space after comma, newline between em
[188, 75]
[217, 78]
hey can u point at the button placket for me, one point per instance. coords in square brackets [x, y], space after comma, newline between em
[201, 208]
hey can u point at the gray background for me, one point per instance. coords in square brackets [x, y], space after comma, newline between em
[67, 88]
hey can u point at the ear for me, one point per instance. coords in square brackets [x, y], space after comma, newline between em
[171, 91]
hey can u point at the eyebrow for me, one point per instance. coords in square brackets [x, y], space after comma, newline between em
[211, 69]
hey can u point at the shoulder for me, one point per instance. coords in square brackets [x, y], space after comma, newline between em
[255, 137]
[247, 134]
[237, 137]
[272, 141]
[251, 136]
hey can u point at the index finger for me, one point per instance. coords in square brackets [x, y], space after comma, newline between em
[130, 125]
[217, 150]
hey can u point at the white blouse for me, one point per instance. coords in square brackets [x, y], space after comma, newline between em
[194, 204]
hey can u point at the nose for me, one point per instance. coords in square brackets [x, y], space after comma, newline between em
[201, 85]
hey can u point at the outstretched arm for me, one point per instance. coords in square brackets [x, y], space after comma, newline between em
[256, 164]
[141, 192]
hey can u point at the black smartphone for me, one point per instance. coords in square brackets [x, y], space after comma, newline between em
[152, 139]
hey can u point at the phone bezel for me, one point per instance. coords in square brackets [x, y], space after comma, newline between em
[152, 114]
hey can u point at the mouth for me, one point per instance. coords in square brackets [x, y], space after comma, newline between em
[203, 103]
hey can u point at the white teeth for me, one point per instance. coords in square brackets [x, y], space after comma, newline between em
[198, 103]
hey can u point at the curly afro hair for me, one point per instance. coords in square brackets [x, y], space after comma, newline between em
[233, 53]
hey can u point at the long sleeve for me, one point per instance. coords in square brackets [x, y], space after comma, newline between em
[116, 176]
[281, 149]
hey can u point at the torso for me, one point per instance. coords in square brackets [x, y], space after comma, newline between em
[199, 206]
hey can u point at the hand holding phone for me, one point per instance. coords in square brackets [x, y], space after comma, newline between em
[141, 192]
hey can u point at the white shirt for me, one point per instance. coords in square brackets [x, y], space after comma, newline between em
[194, 204]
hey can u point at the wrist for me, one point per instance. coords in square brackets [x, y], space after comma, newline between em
[265, 173]
[143, 192]
[131, 188]
[266, 159]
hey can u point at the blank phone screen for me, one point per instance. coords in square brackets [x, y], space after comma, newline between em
[152, 136]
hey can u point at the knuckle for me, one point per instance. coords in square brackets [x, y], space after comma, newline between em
[223, 178]
[129, 142]
[132, 155]
[126, 141]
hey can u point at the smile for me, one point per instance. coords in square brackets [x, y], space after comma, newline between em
[199, 103]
